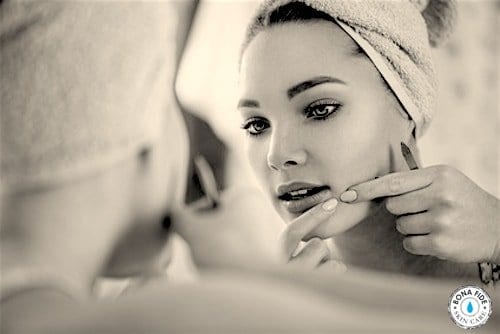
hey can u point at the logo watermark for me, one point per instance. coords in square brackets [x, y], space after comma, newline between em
[469, 307]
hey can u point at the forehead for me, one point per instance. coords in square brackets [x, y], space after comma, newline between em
[297, 50]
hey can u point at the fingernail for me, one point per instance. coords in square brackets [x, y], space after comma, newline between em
[330, 205]
[349, 196]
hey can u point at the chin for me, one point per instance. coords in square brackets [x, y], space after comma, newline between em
[345, 217]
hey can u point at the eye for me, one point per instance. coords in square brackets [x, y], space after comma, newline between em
[322, 109]
[255, 126]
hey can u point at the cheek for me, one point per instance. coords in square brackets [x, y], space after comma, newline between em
[345, 217]
[359, 150]
[256, 152]
[354, 153]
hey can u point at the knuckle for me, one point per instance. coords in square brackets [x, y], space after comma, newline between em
[445, 173]
[437, 245]
[445, 196]
[442, 219]
[315, 244]
[317, 248]
[368, 191]
[324, 253]
[442, 193]
[440, 170]
[395, 183]
[433, 243]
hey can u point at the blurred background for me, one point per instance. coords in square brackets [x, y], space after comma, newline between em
[465, 130]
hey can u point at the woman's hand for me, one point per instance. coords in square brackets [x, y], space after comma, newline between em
[441, 211]
[315, 252]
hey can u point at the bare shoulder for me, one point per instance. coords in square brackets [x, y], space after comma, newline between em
[247, 302]
[222, 303]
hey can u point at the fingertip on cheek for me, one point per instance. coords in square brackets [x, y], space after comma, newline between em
[349, 196]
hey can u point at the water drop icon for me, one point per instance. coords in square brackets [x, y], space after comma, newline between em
[470, 308]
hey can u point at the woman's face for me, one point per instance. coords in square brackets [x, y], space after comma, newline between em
[318, 116]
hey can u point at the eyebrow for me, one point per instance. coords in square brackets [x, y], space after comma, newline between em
[248, 104]
[295, 90]
[308, 84]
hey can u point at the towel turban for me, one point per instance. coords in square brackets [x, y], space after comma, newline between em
[83, 86]
[396, 35]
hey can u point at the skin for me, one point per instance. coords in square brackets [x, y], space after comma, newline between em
[220, 302]
[117, 210]
[108, 222]
[354, 132]
[351, 146]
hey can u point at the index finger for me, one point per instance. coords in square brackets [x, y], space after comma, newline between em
[388, 185]
[305, 224]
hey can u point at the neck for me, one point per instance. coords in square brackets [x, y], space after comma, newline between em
[373, 243]
[376, 244]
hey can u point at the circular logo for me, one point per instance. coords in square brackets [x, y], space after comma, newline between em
[469, 307]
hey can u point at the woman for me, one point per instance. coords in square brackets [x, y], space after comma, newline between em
[331, 90]
[95, 150]
[71, 214]
[94, 155]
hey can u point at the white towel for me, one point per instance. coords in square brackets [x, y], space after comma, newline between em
[83, 85]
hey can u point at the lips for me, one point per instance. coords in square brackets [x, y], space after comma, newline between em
[298, 197]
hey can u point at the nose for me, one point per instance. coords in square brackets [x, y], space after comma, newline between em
[285, 151]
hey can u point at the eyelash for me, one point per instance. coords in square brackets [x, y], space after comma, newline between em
[251, 122]
[308, 113]
[309, 110]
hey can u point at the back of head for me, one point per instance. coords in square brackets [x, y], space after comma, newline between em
[82, 89]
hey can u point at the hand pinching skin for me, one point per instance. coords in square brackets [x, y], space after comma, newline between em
[441, 211]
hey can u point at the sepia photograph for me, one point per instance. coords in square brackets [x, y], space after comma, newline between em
[249, 166]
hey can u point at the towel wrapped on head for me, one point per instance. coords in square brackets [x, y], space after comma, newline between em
[81, 91]
[396, 35]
